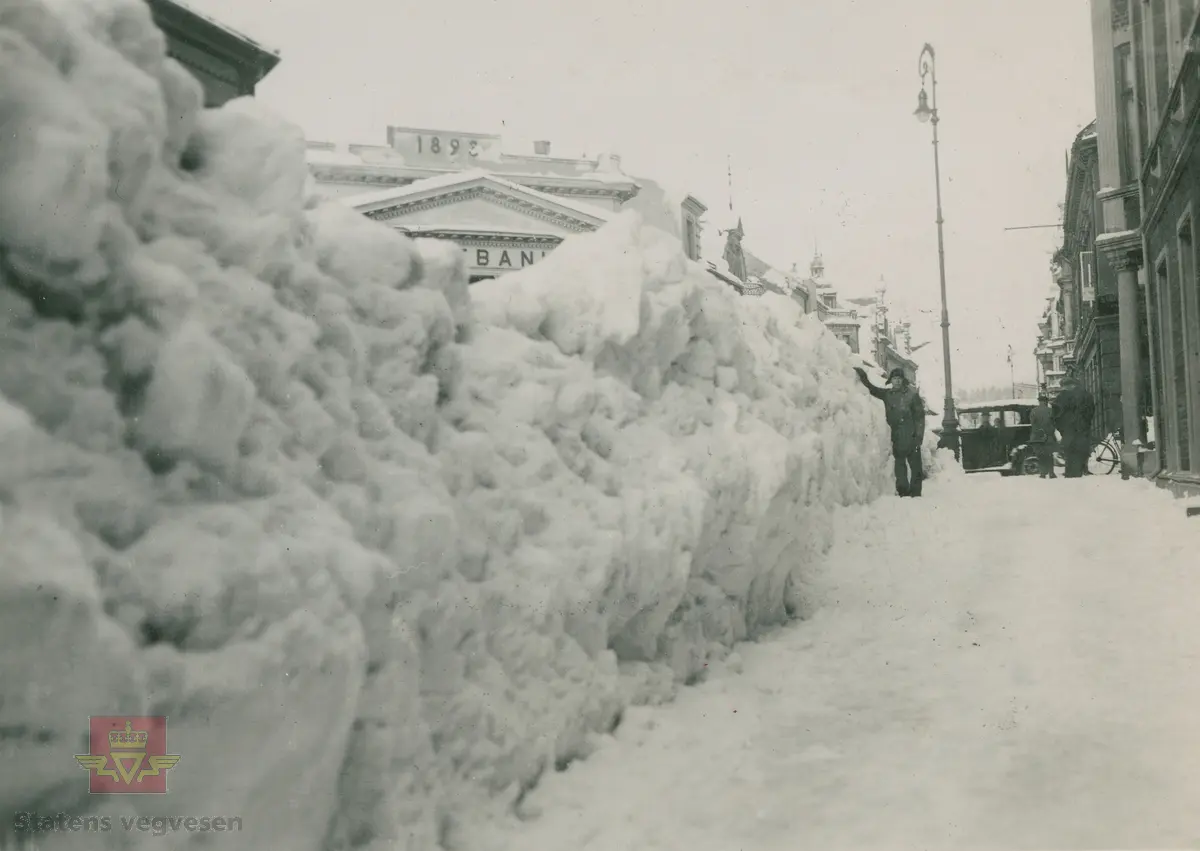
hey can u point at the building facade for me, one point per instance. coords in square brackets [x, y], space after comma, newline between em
[843, 322]
[1052, 346]
[1088, 282]
[506, 211]
[227, 63]
[1148, 97]
[886, 341]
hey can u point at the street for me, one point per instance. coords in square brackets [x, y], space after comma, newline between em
[1007, 663]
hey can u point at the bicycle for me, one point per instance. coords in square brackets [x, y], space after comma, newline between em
[1107, 454]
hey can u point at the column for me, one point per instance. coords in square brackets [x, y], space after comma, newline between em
[1065, 278]
[1126, 264]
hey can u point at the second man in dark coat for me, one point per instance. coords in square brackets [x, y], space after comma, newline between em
[1074, 409]
[1041, 436]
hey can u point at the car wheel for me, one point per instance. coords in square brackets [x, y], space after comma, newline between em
[1029, 465]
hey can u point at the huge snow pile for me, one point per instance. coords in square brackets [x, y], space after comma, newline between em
[382, 551]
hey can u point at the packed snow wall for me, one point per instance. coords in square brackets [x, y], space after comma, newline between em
[381, 549]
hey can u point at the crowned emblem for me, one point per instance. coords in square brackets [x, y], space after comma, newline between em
[127, 759]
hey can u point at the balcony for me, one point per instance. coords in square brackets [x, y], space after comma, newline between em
[1162, 158]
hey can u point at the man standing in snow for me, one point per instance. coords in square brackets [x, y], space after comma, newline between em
[989, 440]
[1073, 409]
[1041, 436]
[905, 411]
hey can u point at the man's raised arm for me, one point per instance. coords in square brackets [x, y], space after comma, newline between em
[877, 392]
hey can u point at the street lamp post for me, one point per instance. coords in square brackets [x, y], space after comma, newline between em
[927, 112]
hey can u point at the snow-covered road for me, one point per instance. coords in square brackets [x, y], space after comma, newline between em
[1003, 664]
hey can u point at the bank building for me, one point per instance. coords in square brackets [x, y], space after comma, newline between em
[507, 211]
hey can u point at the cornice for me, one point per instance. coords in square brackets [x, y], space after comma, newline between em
[528, 208]
[694, 206]
[592, 191]
[394, 175]
[492, 240]
[180, 23]
[1129, 190]
[360, 174]
[196, 58]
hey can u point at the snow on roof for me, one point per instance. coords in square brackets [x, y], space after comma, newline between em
[452, 179]
[774, 276]
[515, 166]
[209, 19]
[603, 176]
[328, 154]
[1115, 236]
[992, 404]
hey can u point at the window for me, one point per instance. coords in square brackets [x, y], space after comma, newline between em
[1160, 59]
[1175, 357]
[1189, 344]
[1146, 399]
[1138, 35]
[1157, 344]
[801, 295]
[1127, 116]
[1087, 278]
[1180, 28]
[689, 237]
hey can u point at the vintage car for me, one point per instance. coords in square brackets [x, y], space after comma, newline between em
[994, 437]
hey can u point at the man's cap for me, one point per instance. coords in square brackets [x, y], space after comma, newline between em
[1043, 396]
[896, 373]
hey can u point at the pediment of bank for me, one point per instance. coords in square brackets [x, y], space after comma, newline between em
[505, 211]
[501, 226]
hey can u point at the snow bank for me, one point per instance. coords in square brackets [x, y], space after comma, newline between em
[382, 550]
[938, 463]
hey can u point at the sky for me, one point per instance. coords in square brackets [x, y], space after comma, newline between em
[811, 103]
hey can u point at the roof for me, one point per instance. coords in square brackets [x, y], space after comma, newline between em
[179, 19]
[533, 169]
[994, 404]
[452, 180]
[1082, 167]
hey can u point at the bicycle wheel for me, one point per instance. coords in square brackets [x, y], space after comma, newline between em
[1107, 457]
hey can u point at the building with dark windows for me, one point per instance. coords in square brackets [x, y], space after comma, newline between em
[227, 63]
[1088, 282]
[1148, 102]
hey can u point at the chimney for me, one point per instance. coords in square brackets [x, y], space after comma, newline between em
[608, 163]
[541, 148]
